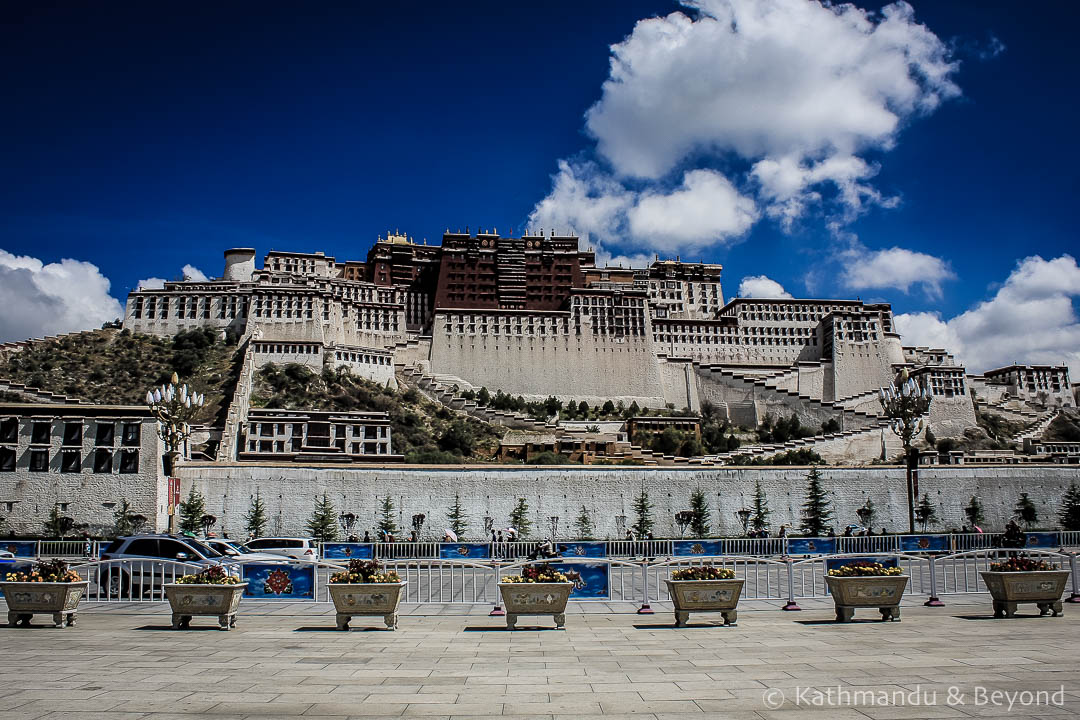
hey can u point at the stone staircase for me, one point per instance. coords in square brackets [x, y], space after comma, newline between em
[37, 394]
[807, 443]
[850, 419]
[1035, 430]
[238, 406]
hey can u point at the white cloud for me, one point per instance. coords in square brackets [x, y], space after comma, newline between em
[151, 283]
[893, 267]
[1030, 319]
[45, 299]
[193, 273]
[765, 78]
[705, 210]
[761, 286]
[794, 92]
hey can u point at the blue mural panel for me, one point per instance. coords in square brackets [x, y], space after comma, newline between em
[1043, 540]
[279, 581]
[347, 551]
[20, 548]
[464, 551]
[697, 547]
[811, 546]
[924, 543]
[595, 582]
[889, 561]
[583, 549]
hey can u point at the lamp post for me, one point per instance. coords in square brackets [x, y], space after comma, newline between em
[347, 520]
[683, 518]
[744, 518]
[418, 523]
[207, 522]
[553, 523]
[905, 407]
[173, 406]
[866, 515]
[489, 523]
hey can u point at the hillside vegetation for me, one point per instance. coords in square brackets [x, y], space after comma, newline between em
[421, 430]
[117, 367]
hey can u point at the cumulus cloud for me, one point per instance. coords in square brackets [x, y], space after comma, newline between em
[785, 97]
[704, 210]
[761, 286]
[188, 272]
[1030, 319]
[894, 267]
[193, 273]
[38, 298]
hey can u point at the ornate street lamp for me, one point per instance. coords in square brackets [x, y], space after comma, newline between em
[620, 526]
[173, 406]
[207, 522]
[489, 523]
[906, 407]
[744, 518]
[347, 520]
[418, 523]
[866, 515]
[683, 518]
[553, 523]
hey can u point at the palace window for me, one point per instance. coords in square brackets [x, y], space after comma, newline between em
[39, 461]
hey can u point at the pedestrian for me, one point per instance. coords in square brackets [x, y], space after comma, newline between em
[500, 536]
[412, 536]
[493, 536]
[367, 536]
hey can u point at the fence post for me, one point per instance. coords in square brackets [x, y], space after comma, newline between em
[934, 600]
[1074, 597]
[645, 608]
[791, 604]
[497, 611]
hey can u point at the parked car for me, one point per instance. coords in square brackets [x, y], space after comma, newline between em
[146, 576]
[234, 551]
[290, 547]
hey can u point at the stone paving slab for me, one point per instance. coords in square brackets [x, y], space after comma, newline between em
[122, 662]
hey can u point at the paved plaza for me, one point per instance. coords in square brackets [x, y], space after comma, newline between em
[123, 662]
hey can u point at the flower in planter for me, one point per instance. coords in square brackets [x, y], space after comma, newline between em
[865, 568]
[215, 575]
[364, 571]
[46, 571]
[542, 573]
[1020, 563]
[704, 572]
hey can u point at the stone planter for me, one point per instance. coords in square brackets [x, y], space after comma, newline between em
[366, 599]
[59, 599]
[700, 596]
[189, 601]
[882, 592]
[535, 599]
[1042, 587]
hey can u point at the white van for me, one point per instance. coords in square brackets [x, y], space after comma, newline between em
[290, 547]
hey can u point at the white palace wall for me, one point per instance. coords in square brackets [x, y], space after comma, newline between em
[589, 367]
[607, 493]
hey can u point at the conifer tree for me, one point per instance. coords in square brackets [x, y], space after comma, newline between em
[759, 509]
[925, 512]
[456, 517]
[584, 525]
[699, 506]
[386, 516]
[974, 512]
[519, 518]
[1070, 509]
[191, 511]
[817, 511]
[57, 525]
[323, 523]
[643, 522]
[256, 516]
[1026, 511]
[123, 524]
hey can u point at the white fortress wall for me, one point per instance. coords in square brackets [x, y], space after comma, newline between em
[608, 493]
[560, 362]
[812, 378]
[680, 383]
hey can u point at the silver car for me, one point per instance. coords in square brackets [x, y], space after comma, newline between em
[147, 571]
[235, 552]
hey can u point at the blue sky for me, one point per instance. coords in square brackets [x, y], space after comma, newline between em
[921, 157]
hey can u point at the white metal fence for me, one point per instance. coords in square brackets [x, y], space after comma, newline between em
[445, 581]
